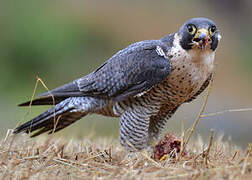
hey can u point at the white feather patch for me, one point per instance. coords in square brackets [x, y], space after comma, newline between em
[161, 52]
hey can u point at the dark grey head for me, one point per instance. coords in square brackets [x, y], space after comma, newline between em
[200, 33]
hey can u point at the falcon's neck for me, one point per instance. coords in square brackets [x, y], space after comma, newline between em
[203, 59]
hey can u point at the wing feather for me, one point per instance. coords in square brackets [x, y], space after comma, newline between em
[132, 70]
[129, 73]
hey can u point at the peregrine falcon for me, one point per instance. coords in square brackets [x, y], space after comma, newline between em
[143, 84]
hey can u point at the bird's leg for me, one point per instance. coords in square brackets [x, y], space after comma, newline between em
[134, 130]
[157, 124]
[155, 130]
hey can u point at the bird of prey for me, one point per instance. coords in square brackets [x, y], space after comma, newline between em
[143, 84]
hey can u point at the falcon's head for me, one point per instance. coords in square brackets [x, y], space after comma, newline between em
[199, 33]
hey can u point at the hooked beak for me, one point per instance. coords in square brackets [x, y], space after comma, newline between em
[201, 38]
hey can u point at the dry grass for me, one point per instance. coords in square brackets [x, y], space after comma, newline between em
[22, 158]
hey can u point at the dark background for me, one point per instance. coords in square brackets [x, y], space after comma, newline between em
[60, 41]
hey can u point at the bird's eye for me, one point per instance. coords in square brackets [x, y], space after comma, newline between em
[191, 29]
[212, 30]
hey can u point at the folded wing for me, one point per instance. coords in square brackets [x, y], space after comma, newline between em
[132, 70]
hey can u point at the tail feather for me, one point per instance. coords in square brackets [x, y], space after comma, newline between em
[60, 116]
[46, 119]
[58, 123]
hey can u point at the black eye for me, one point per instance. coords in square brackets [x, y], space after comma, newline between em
[191, 29]
[212, 30]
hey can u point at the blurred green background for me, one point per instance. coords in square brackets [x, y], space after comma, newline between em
[60, 41]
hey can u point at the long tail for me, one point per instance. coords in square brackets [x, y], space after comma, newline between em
[56, 118]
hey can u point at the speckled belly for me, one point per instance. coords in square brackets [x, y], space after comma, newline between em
[184, 82]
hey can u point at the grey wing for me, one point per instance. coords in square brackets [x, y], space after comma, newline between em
[56, 95]
[203, 87]
[132, 70]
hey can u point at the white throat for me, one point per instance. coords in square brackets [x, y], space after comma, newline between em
[197, 56]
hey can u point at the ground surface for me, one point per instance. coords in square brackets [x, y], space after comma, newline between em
[55, 158]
